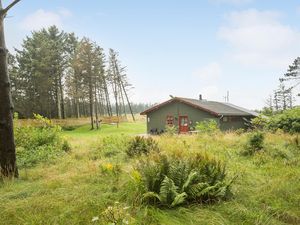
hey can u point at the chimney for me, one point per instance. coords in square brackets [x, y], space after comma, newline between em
[200, 97]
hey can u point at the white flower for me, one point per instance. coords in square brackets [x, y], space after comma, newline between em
[95, 218]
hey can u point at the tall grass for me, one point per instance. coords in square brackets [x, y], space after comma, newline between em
[78, 188]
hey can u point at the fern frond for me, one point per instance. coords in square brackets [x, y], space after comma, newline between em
[151, 195]
[189, 180]
[179, 199]
[168, 190]
[194, 190]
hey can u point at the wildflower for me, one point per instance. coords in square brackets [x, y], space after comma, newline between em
[95, 218]
[109, 166]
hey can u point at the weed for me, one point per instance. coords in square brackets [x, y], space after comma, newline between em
[141, 145]
[207, 126]
[254, 144]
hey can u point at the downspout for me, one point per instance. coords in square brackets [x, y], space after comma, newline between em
[221, 117]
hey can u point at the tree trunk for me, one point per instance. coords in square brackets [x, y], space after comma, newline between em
[62, 103]
[96, 106]
[91, 100]
[7, 143]
[58, 100]
[107, 100]
[77, 99]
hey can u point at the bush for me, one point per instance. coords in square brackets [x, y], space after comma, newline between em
[38, 144]
[113, 146]
[255, 143]
[259, 122]
[240, 131]
[68, 128]
[117, 214]
[288, 121]
[207, 126]
[141, 145]
[169, 181]
[171, 130]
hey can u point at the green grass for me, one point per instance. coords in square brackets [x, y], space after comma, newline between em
[107, 129]
[74, 189]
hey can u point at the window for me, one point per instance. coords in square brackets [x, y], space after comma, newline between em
[170, 120]
[184, 121]
[231, 119]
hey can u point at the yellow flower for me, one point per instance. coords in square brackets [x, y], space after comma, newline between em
[109, 166]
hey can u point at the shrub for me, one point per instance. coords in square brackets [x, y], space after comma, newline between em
[68, 127]
[207, 126]
[112, 146]
[288, 121]
[117, 214]
[141, 145]
[169, 181]
[38, 144]
[240, 131]
[171, 130]
[255, 143]
[259, 122]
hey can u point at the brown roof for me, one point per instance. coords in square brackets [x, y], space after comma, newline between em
[212, 107]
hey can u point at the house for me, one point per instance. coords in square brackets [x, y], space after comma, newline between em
[185, 112]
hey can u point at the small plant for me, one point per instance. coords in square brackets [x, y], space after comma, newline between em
[113, 146]
[171, 130]
[110, 169]
[66, 146]
[68, 127]
[169, 181]
[207, 126]
[240, 131]
[141, 145]
[117, 215]
[254, 144]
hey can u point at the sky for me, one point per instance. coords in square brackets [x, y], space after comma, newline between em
[180, 47]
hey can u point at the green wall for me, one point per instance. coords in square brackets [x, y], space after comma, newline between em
[157, 119]
[175, 109]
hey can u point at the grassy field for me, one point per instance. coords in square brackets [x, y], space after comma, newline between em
[75, 188]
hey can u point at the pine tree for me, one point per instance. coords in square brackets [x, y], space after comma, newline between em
[292, 76]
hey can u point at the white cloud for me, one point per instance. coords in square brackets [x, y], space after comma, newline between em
[258, 38]
[234, 2]
[210, 72]
[42, 18]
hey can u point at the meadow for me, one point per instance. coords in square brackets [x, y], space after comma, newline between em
[93, 182]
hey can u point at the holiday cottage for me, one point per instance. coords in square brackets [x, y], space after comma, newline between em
[185, 112]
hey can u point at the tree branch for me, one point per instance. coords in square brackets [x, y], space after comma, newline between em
[4, 11]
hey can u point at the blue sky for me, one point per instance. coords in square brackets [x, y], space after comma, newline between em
[180, 47]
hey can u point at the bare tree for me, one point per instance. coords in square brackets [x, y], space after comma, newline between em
[7, 142]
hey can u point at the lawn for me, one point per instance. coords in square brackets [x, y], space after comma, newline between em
[76, 187]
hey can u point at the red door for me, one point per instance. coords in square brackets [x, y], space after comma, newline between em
[183, 124]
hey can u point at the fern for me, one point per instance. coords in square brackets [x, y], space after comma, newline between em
[179, 199]
[168, 191]
[151, 196]
[175, 180]
[192, 176]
